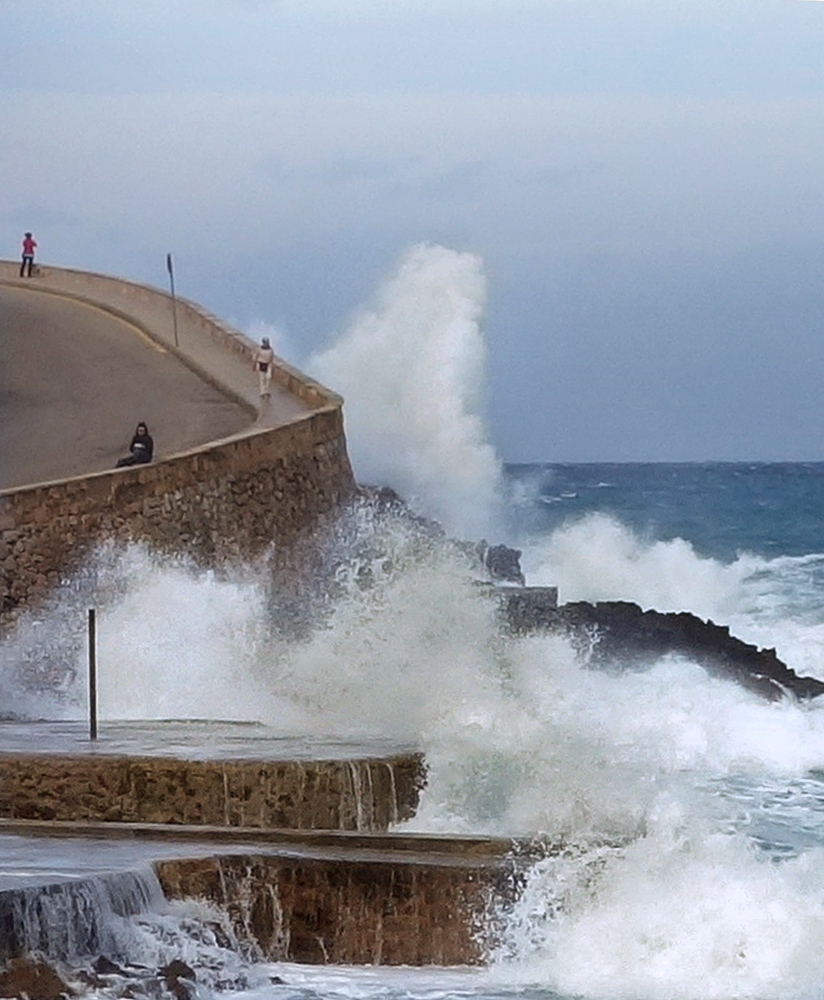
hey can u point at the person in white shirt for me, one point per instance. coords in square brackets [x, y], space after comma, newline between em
[264, 359]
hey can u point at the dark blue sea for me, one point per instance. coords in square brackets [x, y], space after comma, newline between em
[721, 508]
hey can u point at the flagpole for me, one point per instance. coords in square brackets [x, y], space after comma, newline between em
[171, 270]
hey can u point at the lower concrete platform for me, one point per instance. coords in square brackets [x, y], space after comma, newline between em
[308, 897]
[296, 854]
[366, 794]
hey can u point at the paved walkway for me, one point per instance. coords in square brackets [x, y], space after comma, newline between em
[75, 380]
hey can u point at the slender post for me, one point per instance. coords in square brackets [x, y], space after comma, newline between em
[171, 270]
[92, 675]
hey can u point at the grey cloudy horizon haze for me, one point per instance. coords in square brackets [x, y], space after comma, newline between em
[644, 182]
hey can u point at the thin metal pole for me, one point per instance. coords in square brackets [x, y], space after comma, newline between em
[171, 270]
[92, 675]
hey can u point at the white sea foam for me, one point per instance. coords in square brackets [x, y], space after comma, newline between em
[596, 558]
[519, 735]
[411, 370]
[684, 912]
[519, 738]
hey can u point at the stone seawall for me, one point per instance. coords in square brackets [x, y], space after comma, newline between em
[346, 911]
[366, 795]
[267, 489]
[232, 500]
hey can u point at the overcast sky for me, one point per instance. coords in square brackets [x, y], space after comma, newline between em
[644, 182]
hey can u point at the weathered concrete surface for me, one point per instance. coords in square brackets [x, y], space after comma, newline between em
[347, 911]
[75, 381]
[202, 839]
[367, 794]
[207, 344]
[231, 501]
[362, 901]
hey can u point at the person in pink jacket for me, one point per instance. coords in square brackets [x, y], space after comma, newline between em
[29, 245]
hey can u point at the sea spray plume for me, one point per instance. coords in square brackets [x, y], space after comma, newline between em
[42, 653]
[597, 558]
[411, 369]
[685, 911]
[173, 641]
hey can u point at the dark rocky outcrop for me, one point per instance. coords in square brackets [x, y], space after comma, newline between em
[179, 979]
[621, 635]
[501, 562]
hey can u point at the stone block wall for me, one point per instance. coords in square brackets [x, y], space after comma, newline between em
[366, 795]
[230, 500]
[350, 911]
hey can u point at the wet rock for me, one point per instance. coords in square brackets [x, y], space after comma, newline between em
[105, 967]
[502, 563]
[180, 979]
[33, 978]
[621, 635]
[222, 938]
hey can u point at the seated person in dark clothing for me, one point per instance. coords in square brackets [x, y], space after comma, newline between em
[141, 448]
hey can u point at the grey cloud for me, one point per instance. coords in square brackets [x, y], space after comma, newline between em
[43, 216]
[337, 170]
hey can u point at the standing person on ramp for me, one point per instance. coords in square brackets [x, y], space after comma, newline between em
[263, 361]
[29, 245]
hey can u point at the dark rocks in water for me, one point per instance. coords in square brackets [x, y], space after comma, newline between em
[501, 562]
[373, 538]
[621, 634]
[30, 976]
[106, 967]
[180, 979]
[526, 609]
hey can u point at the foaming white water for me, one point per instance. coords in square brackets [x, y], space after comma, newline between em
[576, 752]
[596, 558]
[768, 602]
[519, 736]
[411, 370]
[684, 912]
[375, 982]
[181, 645]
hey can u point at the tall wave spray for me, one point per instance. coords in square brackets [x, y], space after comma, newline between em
[411, 369]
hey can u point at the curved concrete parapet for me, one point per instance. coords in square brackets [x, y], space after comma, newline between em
[265, 487]
[182, 326]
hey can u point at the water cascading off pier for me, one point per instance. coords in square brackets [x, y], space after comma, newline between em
[291, 859]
